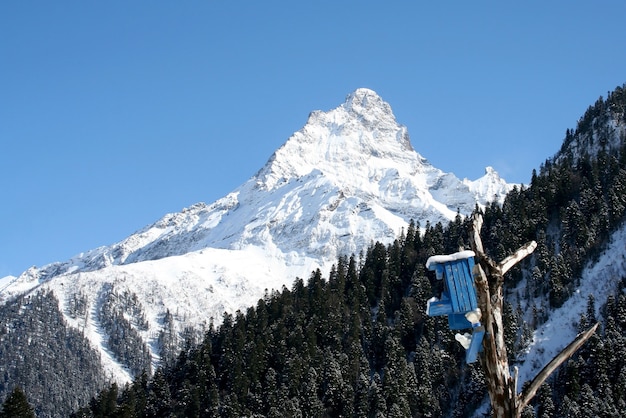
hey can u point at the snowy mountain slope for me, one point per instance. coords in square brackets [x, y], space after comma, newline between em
[600, 279]
[487, 187]
[602, 129]
[342, 164]
[349, 177]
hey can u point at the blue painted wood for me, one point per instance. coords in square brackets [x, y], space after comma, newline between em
[460, 284]
[458, 298]
[452, 287]
[439, 307]
[469, 292]
[458, 321]
[439, 271]
[471, 355]
[468, 275]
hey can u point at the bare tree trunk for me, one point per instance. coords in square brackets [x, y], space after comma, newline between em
[489, 278]
[500, 385]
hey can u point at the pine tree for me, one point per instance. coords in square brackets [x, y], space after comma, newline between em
[511, 329]
[377, 404]
[546, 405]
[424, 398]
[311, 405]
[588, 401]
[360, 396]
[395, 378]
[570, 409]
[334, 394]
[591, 309]
[105, 404]
[16, 405]
[159, 400]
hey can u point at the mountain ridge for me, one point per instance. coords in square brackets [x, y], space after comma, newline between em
[348, 178]
[288, 164]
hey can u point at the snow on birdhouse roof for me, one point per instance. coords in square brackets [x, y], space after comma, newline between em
[440, 259]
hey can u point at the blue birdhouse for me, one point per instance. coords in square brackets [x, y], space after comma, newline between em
[458, 299]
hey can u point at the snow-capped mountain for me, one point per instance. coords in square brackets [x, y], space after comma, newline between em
[348, 178]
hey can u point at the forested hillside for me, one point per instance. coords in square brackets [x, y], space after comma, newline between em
[54, 363]
[355, 341]
[352, 344]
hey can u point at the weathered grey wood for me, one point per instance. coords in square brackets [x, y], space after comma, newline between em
[506, 264]
[489, 278]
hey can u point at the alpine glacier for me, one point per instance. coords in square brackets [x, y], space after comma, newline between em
[348, 178]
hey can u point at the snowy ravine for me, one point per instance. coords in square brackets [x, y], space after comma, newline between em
[348, 178]
[600, 280]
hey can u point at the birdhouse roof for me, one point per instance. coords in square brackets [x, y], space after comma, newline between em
[441, 259]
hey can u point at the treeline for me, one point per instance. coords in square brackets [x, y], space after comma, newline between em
[356, 343]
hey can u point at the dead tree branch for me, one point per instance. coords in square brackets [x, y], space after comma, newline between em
[531, 390]
[506, 264]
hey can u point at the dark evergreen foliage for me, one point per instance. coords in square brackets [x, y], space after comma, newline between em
[16, 406]
[123, 339]
[342, 346]
[53, 363]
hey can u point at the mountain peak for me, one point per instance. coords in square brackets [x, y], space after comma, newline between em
[342, 142]
[364, 101]
[488, 186]
[491, 172]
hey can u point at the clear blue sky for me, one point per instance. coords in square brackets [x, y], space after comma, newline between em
[115, 113]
